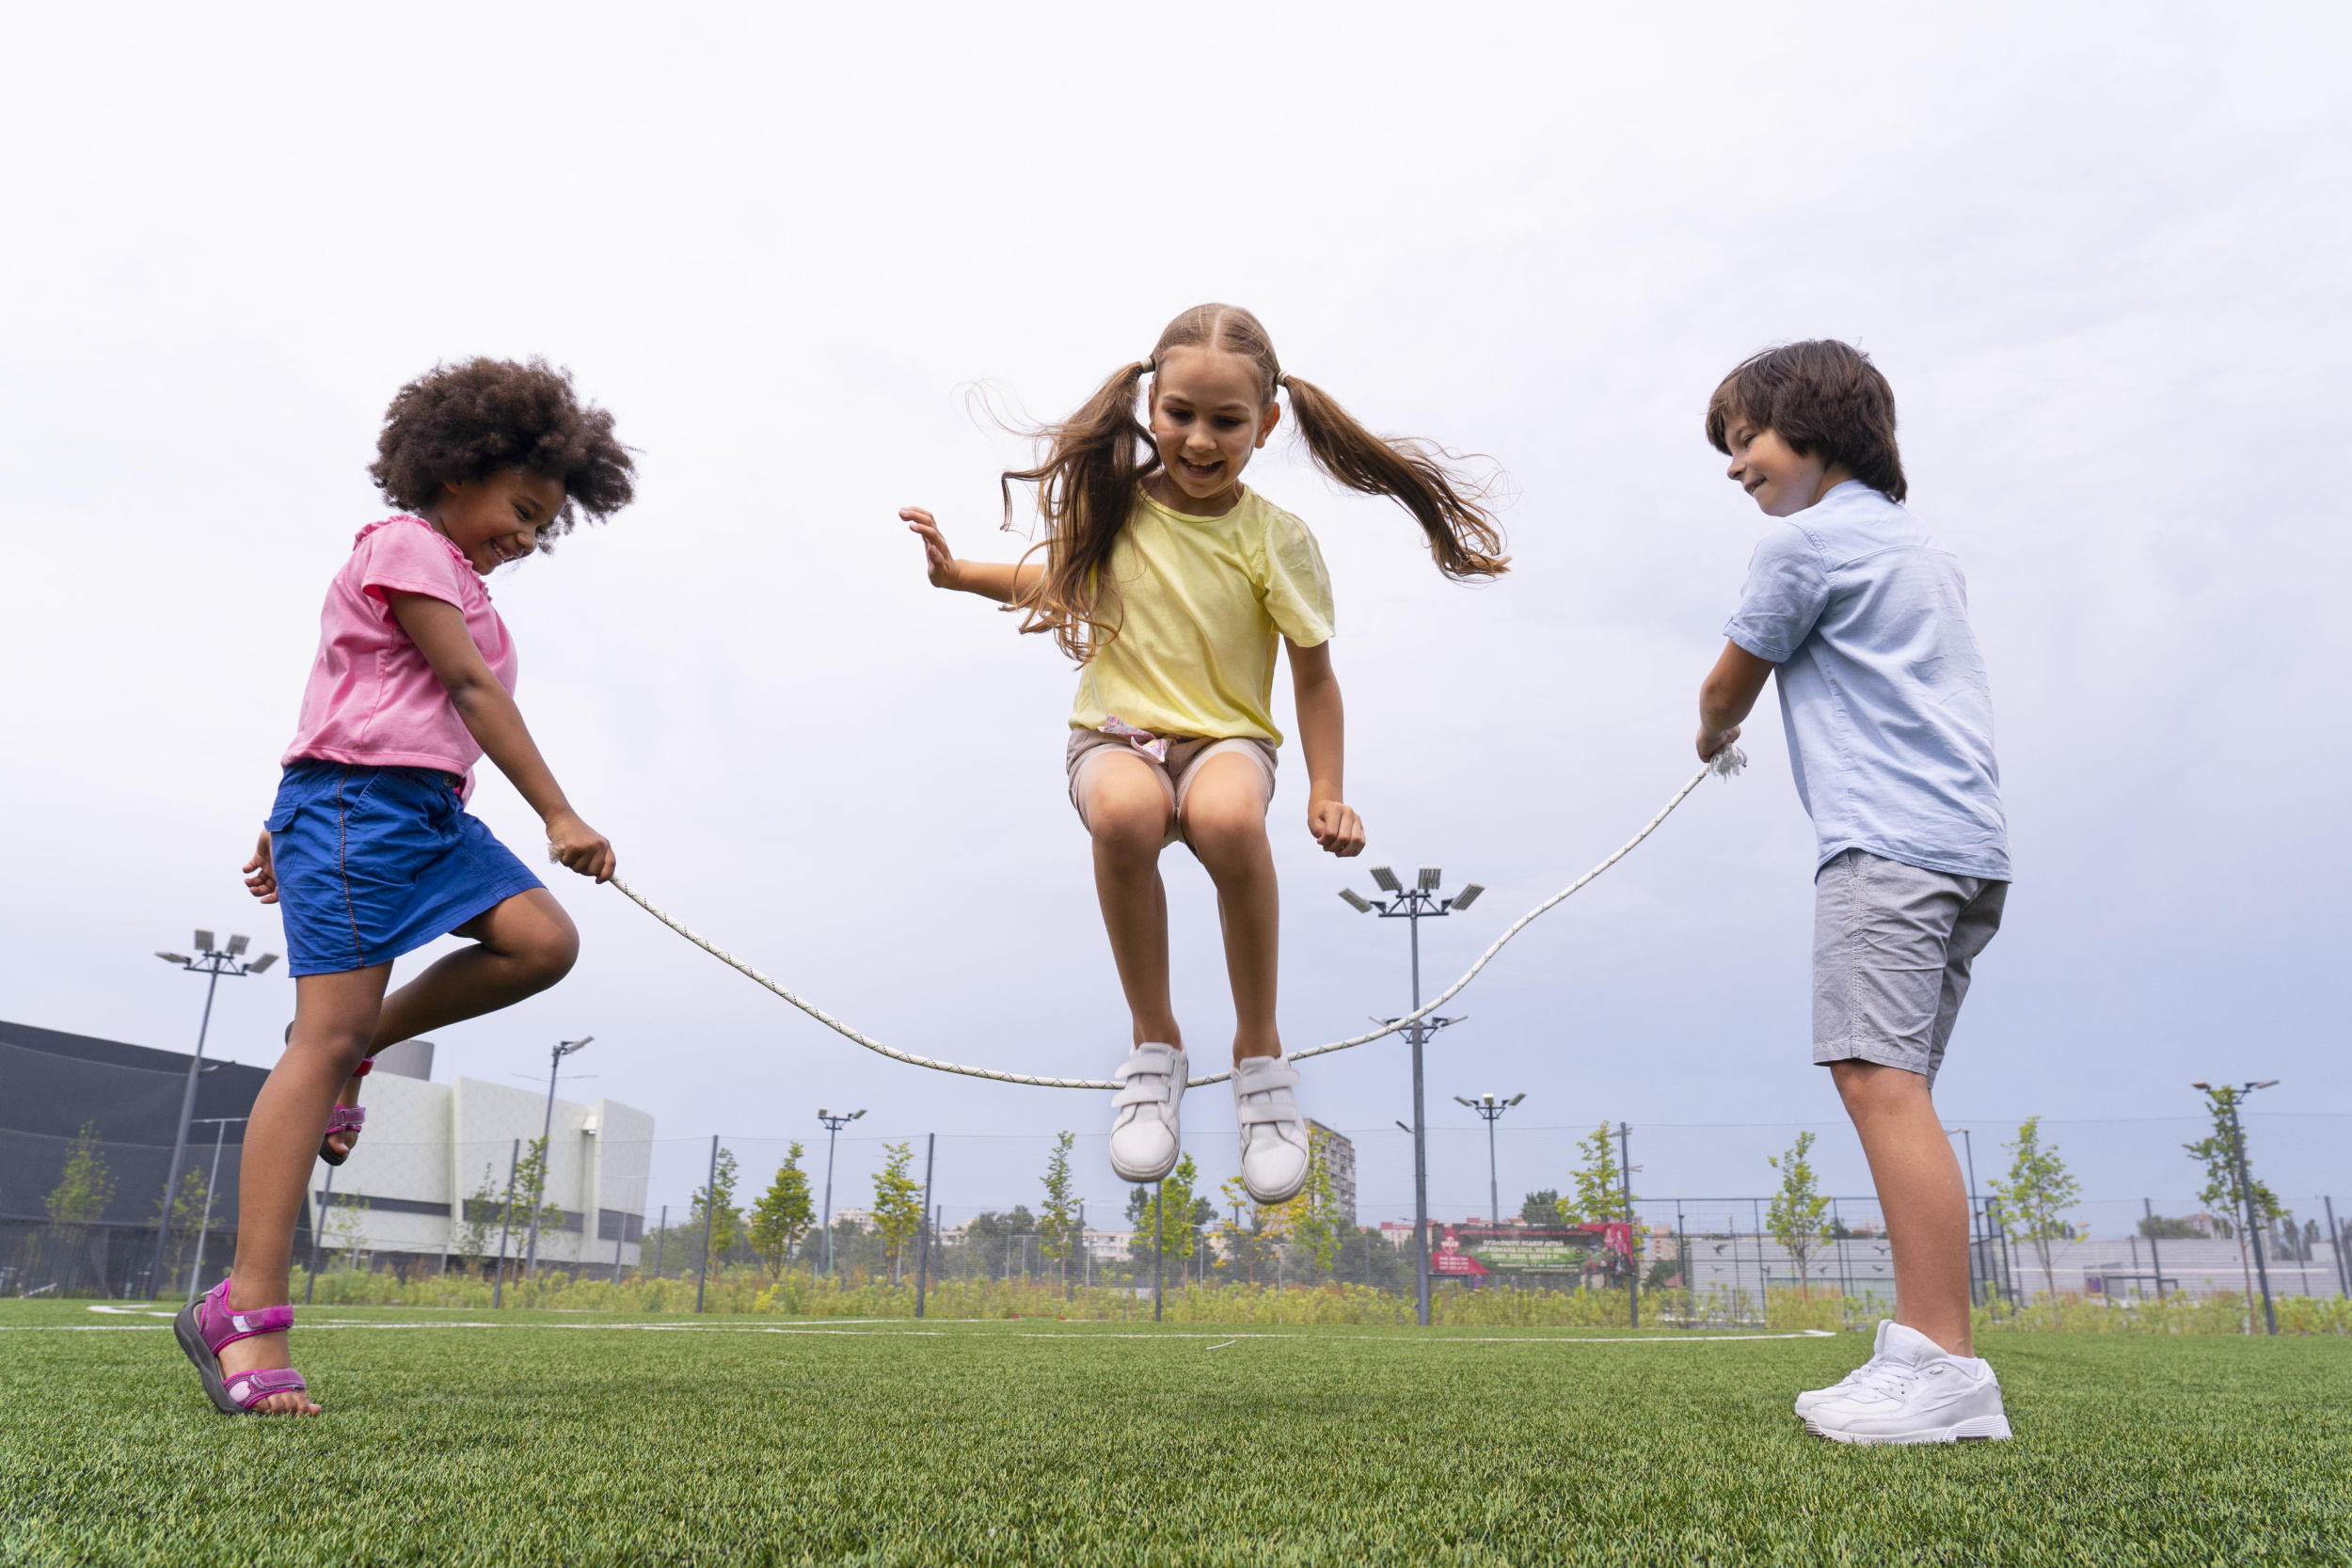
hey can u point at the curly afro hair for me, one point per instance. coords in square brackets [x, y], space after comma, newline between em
[462, 422]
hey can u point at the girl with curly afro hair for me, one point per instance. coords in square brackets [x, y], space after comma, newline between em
[369, 849]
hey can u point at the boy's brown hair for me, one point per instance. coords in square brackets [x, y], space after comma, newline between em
[1823, 397]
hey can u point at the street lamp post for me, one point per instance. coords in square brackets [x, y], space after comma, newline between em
[834, 1122]
[211, 963]
[1414, 905]
[1489, 1107]
[2253, 1216]
[546, 1154]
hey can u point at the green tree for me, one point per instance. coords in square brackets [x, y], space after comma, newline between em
[1798, 1216]
[1058, 1233]
[531, 1191]
[725, 1218]
[783, 1214]
[2038, 1190]
[1542, 1208]
[1185, 1212]
[1599, 1195]
[898, 1205]
[2230, 1185]
[1311, 1218]
[478, 1217]
[187, 1215]
[85, 1187]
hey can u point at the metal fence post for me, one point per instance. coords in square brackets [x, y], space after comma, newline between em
[506, 1223]
[2156, 1259]
[318, 1223]
[1633, 1250]
[710, 1209]
[2335, 1249]
[1160, 1242]
[923, 1258]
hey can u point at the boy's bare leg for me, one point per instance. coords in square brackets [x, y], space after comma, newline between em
[1127, 813]
[1921, 1194]
[335, 1018]
[1225, 824]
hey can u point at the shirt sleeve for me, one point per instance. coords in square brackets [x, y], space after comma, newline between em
[404, 557]
[1787, 590]
[1296, 590]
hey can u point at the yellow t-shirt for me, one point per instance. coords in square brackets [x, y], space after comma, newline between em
[1198, 603]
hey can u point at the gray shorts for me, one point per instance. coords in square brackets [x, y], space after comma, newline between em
[1892, 946]
[1185, 757]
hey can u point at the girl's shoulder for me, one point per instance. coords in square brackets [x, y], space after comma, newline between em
[406, 552]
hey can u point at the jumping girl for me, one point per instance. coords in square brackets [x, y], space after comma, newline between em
[369, 846]
[1169, 583]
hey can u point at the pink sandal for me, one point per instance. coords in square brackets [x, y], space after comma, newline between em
[347, 1118]
[207, 1325]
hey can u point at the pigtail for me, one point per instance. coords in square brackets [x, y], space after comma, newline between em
[1085, 489]
[1463, 537]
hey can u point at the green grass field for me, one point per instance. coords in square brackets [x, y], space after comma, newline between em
[454, 1437]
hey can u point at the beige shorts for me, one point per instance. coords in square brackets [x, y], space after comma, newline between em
[1185, 757]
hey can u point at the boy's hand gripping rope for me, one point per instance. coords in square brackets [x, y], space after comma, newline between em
[1727, 762]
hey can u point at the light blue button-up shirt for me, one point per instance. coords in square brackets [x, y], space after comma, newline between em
[1883, 689]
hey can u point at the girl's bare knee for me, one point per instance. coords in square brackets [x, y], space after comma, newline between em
[1127, 829]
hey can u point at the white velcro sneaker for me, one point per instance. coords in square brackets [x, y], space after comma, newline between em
[1275, 1152]
[1146, 1135]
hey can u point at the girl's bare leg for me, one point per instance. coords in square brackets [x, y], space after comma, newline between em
[1127, 813]
[1225, 824]
[522, 947]
[335, 1017]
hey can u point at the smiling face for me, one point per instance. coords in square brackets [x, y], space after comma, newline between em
[497, 520]
[1206, 419]
[1769, 469]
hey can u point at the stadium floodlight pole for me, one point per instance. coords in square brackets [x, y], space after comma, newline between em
[1491, 1109]
[2156, 1259]
[1414, 905]
[2335, 1245]
[211, 963]
[1160, 1242]
[833, 1124]
[547, 1152]
[2253, 1218]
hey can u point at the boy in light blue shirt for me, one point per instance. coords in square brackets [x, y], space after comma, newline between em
[1889, 718]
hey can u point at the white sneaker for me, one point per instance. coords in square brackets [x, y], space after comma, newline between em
[1811, 1397]
[1915, 1393]
[1275, 1152]
[1146, 1136]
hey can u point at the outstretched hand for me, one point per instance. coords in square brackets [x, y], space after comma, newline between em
[939, 562]
[1336, 827]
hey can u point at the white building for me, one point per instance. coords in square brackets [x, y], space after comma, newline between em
[433, 1162]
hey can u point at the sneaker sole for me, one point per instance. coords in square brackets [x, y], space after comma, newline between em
[1977, 1429]
[1138, 1175]
[1296, 1188]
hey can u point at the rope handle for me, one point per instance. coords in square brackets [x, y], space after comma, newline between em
[1725, 764]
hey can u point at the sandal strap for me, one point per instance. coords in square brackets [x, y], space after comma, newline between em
[222, 1326]
[347, 1118]
[367, 1065]
[250, 1388]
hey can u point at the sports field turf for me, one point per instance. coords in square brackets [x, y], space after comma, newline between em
[567, 1438]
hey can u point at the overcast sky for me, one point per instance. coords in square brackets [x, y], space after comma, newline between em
[2100, 252]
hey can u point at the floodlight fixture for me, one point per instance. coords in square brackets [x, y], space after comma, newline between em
[1468, 896]
[1356, 900]
[565, 1048]
[1430, 878]
[203, 941]
[173, 958]
[257, 965]
[1386, 878]
[238, 943]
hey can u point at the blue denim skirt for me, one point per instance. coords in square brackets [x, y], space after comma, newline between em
[373, 862]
